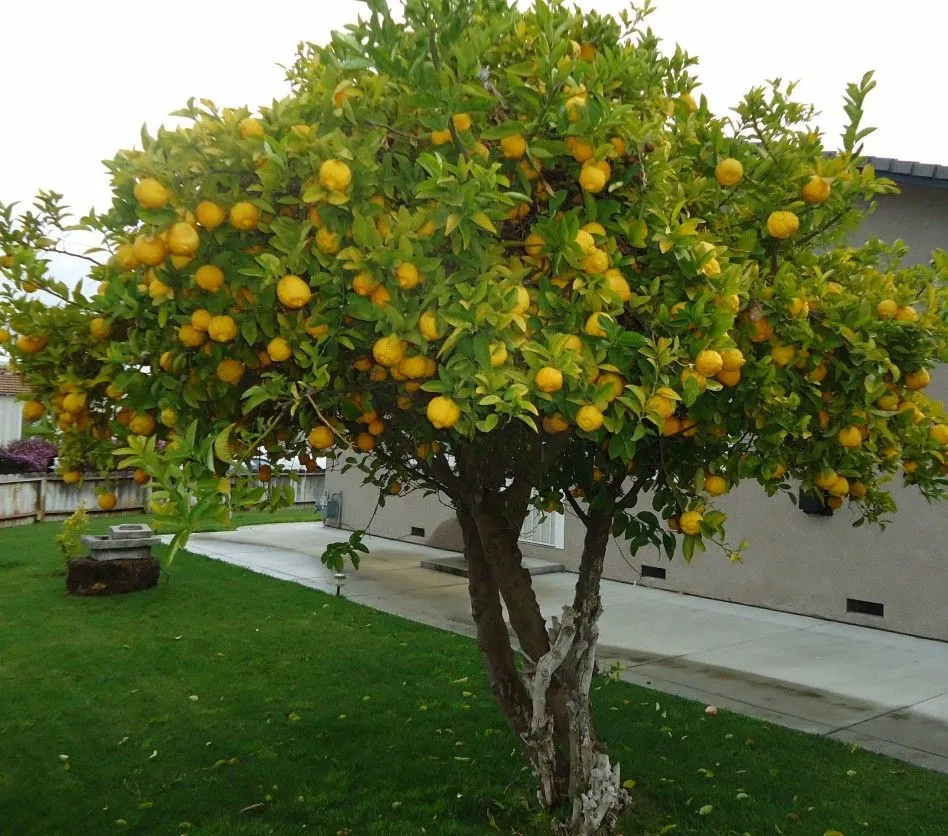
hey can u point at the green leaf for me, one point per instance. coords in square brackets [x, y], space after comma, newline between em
[484, 222]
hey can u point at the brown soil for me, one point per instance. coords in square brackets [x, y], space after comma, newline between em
[111, 577]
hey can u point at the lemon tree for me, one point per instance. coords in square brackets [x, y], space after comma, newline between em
[508, 255]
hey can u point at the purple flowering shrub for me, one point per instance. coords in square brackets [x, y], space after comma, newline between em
[27, 455]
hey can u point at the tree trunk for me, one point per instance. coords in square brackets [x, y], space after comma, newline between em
[492, 636]
[547, 705]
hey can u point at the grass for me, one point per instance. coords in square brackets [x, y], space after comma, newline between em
[225, 702]
[284, 515]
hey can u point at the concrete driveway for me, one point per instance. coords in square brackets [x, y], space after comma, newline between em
[883, 691]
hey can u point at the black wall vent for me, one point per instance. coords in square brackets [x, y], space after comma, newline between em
[810, 503]
[417, 532]
[865, 607]
[652, 572]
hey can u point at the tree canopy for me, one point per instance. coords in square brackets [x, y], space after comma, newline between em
[508, 255]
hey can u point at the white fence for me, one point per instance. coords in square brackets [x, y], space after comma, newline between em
[27, 498]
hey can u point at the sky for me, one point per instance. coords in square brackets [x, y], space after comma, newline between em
[79, 79]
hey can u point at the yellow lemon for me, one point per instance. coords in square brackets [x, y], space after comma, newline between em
[618, 285]
[125, 256]
[328, 241]
[729, 172]
[918, 380]
[150, 250]
[222, 329]
[428, 325]
[498, 354]
[592, 178]
[33, 411]
[549, 379]
[580, 149]
[732, 359]
[293, 292]
[183, 239]
[190, 336]
[783, 354]
[107, 501]
[799, 308]
[413, 367]
[887, 308]
[250, 127]
[388, 351]
[661, 405]
[442, 412]
[595, 262]
[142, 424]
[554, 424]
[816, 190]
[939, 434]
[407, 275]
[709, 362]
[715, 485]
[593, 325]
[690, 522]
[244, 215]
[849, 437]
[513, 147]
[99, 328]
[321, 437]
[230, 371]
[589, 418]
[838, 487]
[782, 224]
[209, 277]
[335, 175]
[150, 194]
[521, 301]
[279, 349]
[364, 283]
[535, 246]
[210, 215]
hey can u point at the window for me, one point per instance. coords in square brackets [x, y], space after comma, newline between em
[544, 529]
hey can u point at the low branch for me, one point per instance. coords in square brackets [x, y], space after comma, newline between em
[583, 516]
[71, 255]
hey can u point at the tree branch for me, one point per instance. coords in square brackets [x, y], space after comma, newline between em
[583, 516]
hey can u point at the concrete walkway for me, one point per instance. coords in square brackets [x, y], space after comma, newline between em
[883, 691]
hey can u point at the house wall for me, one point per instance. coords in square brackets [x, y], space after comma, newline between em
[11, 419]
[796, 562]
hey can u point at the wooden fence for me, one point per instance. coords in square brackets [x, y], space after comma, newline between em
[27, 498]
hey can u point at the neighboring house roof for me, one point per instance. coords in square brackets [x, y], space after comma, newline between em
[10, 383]
[911, 173]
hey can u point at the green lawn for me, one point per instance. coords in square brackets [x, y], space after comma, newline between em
[226, 702]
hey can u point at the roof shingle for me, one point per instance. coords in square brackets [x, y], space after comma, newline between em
[10, 383]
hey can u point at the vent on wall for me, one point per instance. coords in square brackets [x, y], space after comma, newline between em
[417, 532]
[652, 572]
[865, 607]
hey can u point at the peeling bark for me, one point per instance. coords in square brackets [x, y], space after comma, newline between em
[547, 705]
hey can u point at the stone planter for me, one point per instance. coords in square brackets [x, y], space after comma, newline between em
[119, 562]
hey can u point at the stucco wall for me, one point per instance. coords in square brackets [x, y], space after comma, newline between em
[796, 562]
[11, 419]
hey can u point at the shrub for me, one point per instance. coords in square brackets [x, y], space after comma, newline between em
[70, 535]
[27, 455]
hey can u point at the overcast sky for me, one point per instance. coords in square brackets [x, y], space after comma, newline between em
[77, 80]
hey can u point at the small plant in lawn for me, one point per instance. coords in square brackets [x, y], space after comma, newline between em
[71, 533]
